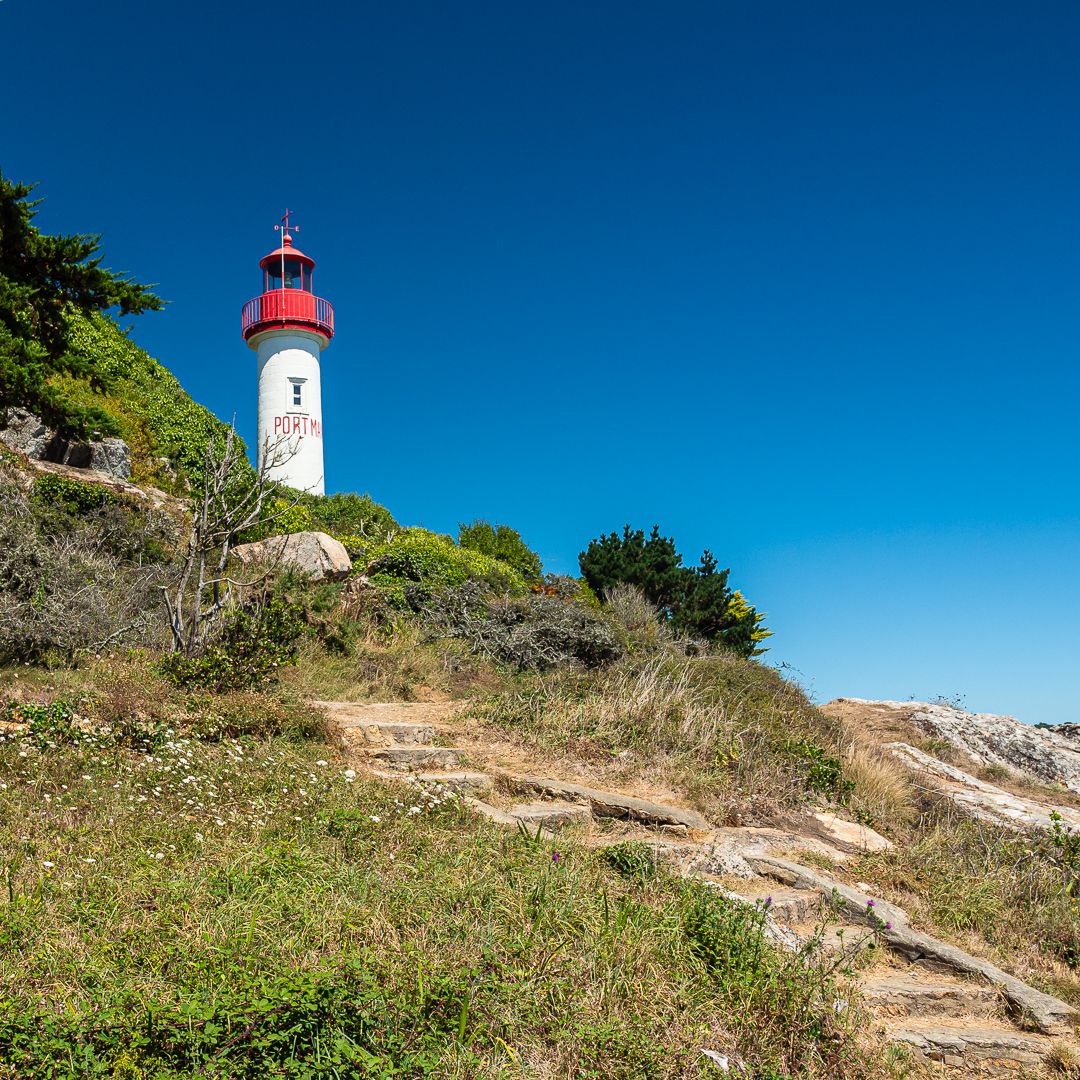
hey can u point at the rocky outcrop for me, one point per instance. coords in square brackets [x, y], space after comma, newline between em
[1049, 756]
[28, 434]
[313, 553]
[982, 800]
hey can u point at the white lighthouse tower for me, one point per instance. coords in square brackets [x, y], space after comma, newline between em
[288, 326]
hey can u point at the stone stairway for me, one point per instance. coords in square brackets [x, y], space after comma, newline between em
[397, 737]
[972, 1022]
[944, 1004]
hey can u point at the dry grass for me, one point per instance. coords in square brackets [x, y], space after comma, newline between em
[883, 792]
[728, 733]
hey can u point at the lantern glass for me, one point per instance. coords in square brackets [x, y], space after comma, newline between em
[297, 276]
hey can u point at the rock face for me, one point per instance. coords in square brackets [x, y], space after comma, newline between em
[314, 553]
[27, 433]
[996, 740]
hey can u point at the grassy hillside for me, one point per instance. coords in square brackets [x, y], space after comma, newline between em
[198, 882]
[153, 412]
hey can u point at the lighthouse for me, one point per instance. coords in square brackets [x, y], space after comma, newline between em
[288, 326]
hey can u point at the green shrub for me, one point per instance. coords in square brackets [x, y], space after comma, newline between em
[697, 600]
[347, 514]
[420, 557]
[502, 543]
[251, 647]
[75, 496]
[154, 413]
[631, 858]
[823, 773]
[727, 936]
[290, 519]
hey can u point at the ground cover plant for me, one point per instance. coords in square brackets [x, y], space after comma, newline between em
[248, 906]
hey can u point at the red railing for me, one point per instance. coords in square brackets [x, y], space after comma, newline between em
[287, 307]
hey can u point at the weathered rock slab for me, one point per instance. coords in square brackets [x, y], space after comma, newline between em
[552, 814]
[314, 553]
[29, 435]
[456, 781]
[850, 834]
[501, 817]
[388, 734]
[902, 994]
[413, 757]
[1010, 1050]
[1048, 755]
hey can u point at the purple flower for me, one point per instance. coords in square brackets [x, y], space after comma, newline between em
[555, 857]
[768, 900]
[869, 903]
[888, 926]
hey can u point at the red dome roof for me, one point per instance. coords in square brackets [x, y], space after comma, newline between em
[289, 252]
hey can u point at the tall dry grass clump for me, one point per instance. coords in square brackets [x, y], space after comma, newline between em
[883, 792]
[726, 730]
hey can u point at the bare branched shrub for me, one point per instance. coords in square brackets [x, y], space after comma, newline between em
[535, 632]
[78, 589]
[230, 500]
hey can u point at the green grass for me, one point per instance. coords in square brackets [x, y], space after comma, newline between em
[247, 908]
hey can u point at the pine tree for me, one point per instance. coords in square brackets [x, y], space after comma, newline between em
[697, 600]
[653, 565]
[44, 282]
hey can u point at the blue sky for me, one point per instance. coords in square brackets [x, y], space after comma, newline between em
[797, 282]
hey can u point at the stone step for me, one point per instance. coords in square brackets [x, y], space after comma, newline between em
[412, 757]
[902, 994]
[989, 1049]
[501, 817]
[365, 733]
[785, 905]
[611, 803]
[551, 814]
[1053, 1017]
[390, 712]
[456, 781]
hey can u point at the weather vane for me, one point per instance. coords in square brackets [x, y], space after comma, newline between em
[285, 226]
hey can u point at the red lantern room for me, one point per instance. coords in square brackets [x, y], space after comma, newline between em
[287, 300]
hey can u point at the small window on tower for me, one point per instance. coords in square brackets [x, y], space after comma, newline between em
[297, 391]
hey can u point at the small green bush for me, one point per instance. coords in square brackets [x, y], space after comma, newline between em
[250, 649]
[502, 543]
[75, 496]
[631, 858]
[289, 519]
[346, 514]
[420, 557]
[823, 773]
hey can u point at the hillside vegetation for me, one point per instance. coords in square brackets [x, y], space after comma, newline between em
[198, 882]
